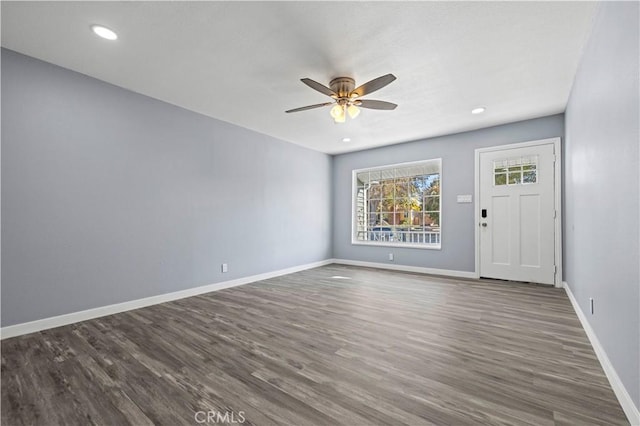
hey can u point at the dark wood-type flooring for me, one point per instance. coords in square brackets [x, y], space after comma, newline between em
[328, 346]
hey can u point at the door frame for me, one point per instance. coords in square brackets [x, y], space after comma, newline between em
[557, 199]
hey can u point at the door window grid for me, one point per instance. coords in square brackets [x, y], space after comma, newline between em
[515, 171]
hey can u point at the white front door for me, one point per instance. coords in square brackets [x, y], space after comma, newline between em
[517, 213]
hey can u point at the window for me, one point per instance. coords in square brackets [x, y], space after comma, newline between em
[398, 205]
[515, 171]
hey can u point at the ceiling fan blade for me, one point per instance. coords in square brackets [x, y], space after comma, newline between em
[364, 103]
[309, 107]
[373, 85]
[319, 87]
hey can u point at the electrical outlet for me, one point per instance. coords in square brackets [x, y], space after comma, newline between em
[390, 256]
[591, 305]
[225, 267]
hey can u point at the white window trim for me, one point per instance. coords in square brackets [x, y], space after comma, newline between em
[354, 219]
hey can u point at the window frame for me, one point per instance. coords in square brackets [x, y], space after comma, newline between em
[354, 213]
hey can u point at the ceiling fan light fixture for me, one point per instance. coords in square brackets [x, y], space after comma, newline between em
[336, 112]
[353, 111]
[346, 99]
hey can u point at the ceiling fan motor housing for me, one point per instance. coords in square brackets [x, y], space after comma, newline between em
[345, 95]
[342, 86]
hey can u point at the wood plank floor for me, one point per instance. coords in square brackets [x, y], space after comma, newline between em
[328, 346]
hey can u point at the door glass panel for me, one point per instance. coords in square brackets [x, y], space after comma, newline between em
[529, 176]
[515, 171]
[515, 176]
[500, 179]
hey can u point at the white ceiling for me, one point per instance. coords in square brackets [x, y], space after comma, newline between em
[242, 61]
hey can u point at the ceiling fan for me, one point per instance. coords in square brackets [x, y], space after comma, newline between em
[346, 99]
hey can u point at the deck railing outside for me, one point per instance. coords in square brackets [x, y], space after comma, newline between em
[415, 235]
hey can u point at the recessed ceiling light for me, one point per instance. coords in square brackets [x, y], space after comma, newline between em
[478, 110]
[346, 139]
[104, 32]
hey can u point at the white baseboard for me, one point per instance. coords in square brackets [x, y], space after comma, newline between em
[630, 409]
[66, 319]
[406, 268]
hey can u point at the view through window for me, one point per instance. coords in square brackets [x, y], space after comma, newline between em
[398, 205]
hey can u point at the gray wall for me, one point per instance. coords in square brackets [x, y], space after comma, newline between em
[457, 152]
[110, 196]
[601, 183]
